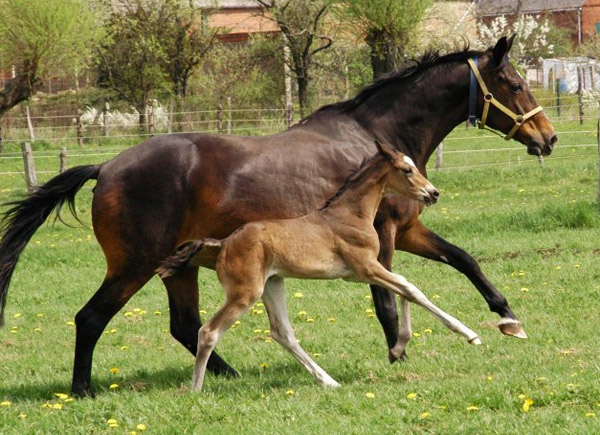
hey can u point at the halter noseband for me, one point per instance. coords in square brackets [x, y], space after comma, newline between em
[488, 98]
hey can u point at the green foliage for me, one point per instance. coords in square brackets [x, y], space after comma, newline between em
[51, 34]
[389, 28]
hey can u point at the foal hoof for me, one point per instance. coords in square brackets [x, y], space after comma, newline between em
[394, 356]
[512, 327]
[475, 341]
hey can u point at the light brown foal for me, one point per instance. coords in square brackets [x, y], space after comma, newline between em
[336, 241]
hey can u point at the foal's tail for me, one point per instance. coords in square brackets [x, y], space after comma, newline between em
[25, 216]
[203, 252]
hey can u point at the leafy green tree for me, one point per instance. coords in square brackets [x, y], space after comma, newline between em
[38, 37]
[389, 27]
[301, 23]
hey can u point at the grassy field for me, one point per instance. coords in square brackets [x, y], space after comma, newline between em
[535, 230]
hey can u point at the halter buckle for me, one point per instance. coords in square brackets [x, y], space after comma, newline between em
[519, 119]
[488, 97]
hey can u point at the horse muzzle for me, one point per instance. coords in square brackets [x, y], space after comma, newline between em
[544, 148]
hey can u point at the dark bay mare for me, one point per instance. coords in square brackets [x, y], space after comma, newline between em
[174, 188]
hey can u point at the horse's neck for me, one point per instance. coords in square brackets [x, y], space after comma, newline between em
[417, 113]
[361, 198]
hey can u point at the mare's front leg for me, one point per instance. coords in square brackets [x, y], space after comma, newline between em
[421, 241]
[182, 289]
[385, 301]
[283, 333]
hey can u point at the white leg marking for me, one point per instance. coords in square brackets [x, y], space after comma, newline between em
[283, 333]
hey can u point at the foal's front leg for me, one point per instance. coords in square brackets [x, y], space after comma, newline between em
[400, 285]
[283, 333]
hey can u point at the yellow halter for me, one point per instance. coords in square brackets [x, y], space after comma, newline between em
[489, 98]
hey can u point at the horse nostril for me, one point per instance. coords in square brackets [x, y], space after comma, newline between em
[553, 140]
[435, 194]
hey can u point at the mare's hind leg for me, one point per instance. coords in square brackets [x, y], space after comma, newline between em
[182, 289]
[283, 333]
[385, 301]
[91, 320]
[424, 242]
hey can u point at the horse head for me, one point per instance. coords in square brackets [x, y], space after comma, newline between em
[505, 102]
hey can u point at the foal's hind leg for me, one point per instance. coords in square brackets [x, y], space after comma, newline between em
[91, 320]
[236, 304]
[182, 289]
[283, 333]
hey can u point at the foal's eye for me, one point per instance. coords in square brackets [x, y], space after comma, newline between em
[517, 87]
[408, 170]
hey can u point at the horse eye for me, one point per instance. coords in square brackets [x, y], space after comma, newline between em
[517, 87]
[407, 170]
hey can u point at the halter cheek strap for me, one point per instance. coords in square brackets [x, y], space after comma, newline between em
[488, 98]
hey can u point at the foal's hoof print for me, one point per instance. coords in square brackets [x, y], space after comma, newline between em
[512, 327]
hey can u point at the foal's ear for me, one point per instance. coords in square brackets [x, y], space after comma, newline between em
[502, 48]
[387, 151]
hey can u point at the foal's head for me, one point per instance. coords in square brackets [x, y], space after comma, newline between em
[405, 178]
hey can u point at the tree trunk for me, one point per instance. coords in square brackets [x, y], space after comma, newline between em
[382, 52]
[302, 94]
[17, 90]
[142, 120]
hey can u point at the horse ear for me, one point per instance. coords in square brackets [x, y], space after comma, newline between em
[501, 49]
[509, 42]
[386, 151]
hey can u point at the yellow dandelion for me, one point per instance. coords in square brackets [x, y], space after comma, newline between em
[316, 355]
[137, 310]
[370, 395]
[290, 392]
[428, 331]
[113, 386]
[70, 323]
[141, 427]
[111, 421]
[268, 340]
[113, 425]
[370, 315]
[203, 311]
[425, 415]
[238, 322]
[472, 408]
[157, 313]
[57, 406]
[526, 405]
[416, 334]
[47, 405]
[128, 314]
[298, 295]
[489, 378]
[266, 331]
[442, 407]
[302, 313]
[367, 297]
[260, 304]
[37, 330]
[558, 267]
[22, 415]
[435, 297]
[114, 370]
[264, 366]
[61, 396]
[17, 315]
[590, 414]
[521, 396]
[258, 331]
[368, 311]
[411, 396]
[524, 289]
[69, 399]
[39, 315]
[310, 320]
[124, 347]
[331, 320]
[263, 396]
[5, 403]
[577, 266]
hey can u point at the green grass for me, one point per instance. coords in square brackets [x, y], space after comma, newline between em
[535, 230]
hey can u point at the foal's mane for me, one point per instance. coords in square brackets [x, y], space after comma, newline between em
[355, 176]
[429, 59]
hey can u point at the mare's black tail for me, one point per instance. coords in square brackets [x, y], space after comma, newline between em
[21, 221]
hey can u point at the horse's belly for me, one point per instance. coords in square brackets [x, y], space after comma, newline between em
[312, 268]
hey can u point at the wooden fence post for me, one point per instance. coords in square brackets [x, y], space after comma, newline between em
[79, 128]
[1, 140]
[228, 115]
[30, 175]
[170, 117]
[105, 110]
[580, 93]
[558, 97]
[63, 160]
[289, 119]
[598, 139]
[439, 155]
[151, 118]
[220, 118]
[29, 124]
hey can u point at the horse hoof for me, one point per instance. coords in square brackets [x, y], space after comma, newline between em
[83, 393]
[393, 357]
[512, 327]
[475, 341]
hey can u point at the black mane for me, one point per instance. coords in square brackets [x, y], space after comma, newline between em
[354, 177]
[428, 60]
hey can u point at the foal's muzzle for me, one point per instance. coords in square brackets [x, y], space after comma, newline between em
[430, 196]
